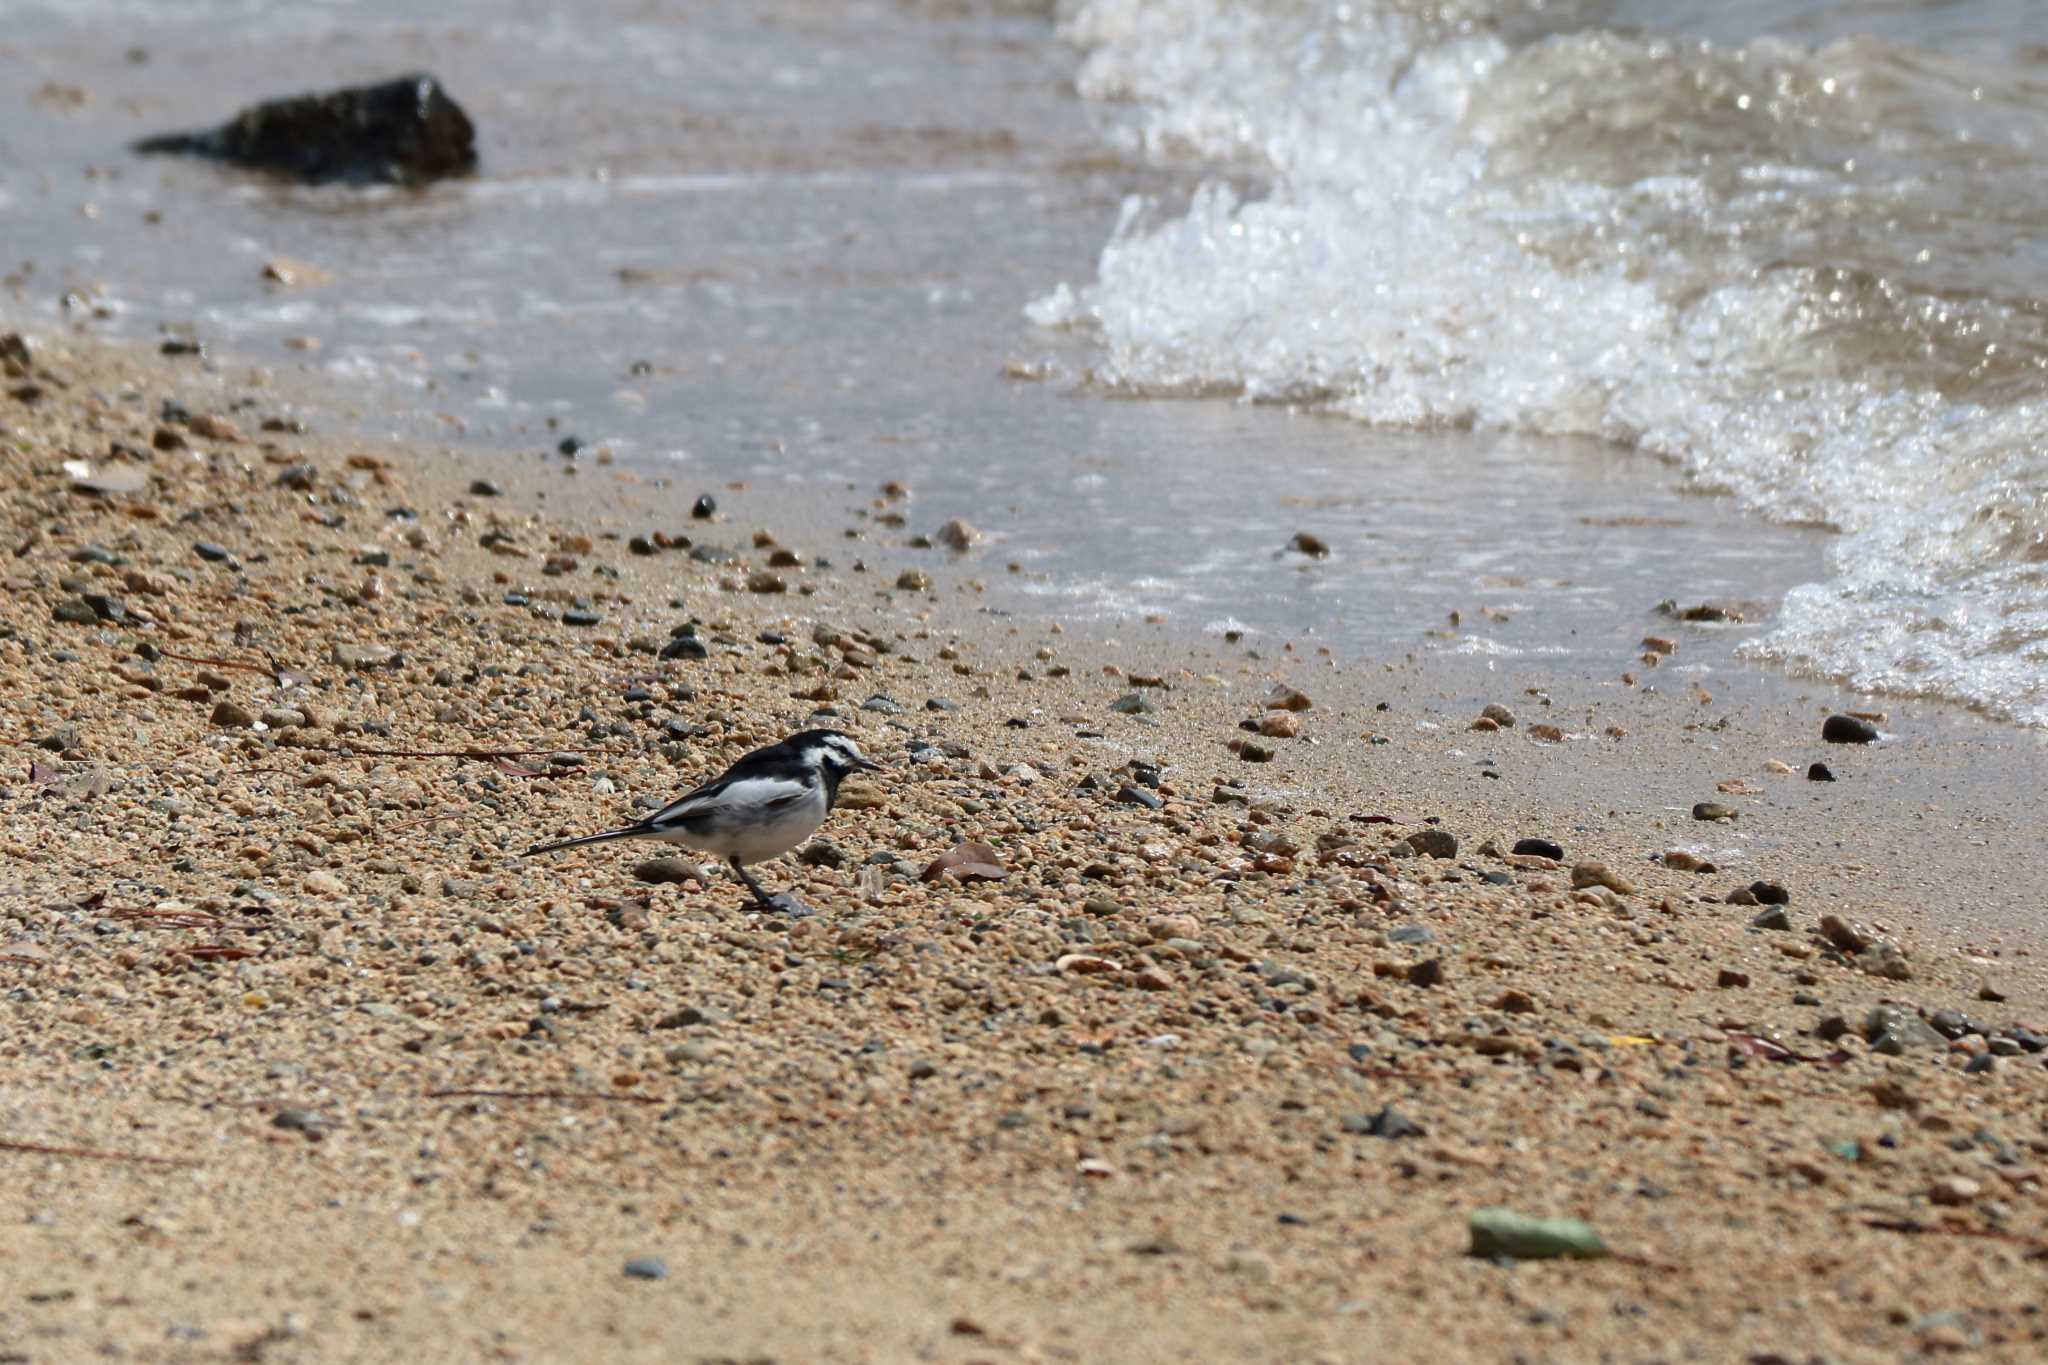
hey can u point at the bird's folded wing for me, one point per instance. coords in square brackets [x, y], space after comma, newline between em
[758, 796]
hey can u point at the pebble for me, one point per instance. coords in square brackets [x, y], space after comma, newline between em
[360, 658]
[581, 618]
[1131, 795]
[1773, 918]
[765, 581]
[1599, 874]
[1847, 935]
[1411, 933]
[1280, 725]
[1434, 843]
[1770, 893]
[1895, 1029]
[484, 488]
[913, 580]
[1540, 848]
[685, 647]
[1887, 960]
[1730, 979]
[1428, 973]
[1954, 1190]
[1310, 545]
[1393, 1125]
[647, 1267]
[957, 535]
[1499, 715]
[76, 611]
[665, 870]
[300, 1121]
[230, 715]
[1285, 698]
[1714, 810]
[1547, 734]
[705, 508]
[1847, 730]
[1133, 704]
[1819, 772]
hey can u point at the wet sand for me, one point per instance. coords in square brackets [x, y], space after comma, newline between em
[302, 1062]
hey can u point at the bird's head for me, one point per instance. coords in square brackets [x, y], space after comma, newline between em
[837, 753]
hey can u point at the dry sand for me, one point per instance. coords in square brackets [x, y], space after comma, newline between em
[302, 1063]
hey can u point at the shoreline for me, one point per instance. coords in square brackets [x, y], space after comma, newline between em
[950, 1114]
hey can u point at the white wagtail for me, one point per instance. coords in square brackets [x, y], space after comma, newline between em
[760, 808]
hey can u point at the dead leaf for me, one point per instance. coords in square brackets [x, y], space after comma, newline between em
[970, 860]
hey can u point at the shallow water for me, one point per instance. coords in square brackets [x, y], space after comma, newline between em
[1529, 247]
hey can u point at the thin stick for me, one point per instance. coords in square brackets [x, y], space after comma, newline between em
[95, 1155]
[220, 663]
[544, 1095]
[351, 752]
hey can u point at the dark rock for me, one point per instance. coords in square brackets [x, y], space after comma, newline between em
[1980, 1064]
[212, 553]
[568, 445]
[76, 611]
[405, 132]
[1308, 544]
[1773, 918]
[1133, 704]
[1713, 810]
[581, 618]
[1428, 973]
[1541, 848]
[705, 508]
[646, 1268]
[485, 488]
[1819, 772]
[1770, 893]
[1893, 1029]
[821, 853]
[60, 740]
[1392, 1124]
[1953, 1023]
[1847, 730]
[882, 705]
[1832, 1027]
[685, 647]
[1137, 796]
[300, 1121]
[641, 545]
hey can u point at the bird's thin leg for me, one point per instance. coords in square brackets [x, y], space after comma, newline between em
[767, 901]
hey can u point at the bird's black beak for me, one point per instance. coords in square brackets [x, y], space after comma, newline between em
[868, 765]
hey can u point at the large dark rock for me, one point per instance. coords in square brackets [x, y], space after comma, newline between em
[405, 131]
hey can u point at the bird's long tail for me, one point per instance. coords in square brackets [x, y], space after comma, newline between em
[604, 838]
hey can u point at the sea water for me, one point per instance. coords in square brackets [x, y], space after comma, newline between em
[1535, 313]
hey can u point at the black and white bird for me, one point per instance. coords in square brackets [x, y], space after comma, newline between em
[760, 808]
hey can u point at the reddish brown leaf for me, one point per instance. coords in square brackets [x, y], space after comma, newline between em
[968, 861]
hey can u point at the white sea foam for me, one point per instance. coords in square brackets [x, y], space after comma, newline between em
[1808, 275]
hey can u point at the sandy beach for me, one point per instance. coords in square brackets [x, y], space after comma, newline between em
[303, 1063]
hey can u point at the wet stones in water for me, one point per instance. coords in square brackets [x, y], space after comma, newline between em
[1540, 848]
[705, 508]
[1846, 730]
[404, 132]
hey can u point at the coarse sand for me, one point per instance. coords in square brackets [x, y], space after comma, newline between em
[301, 1062]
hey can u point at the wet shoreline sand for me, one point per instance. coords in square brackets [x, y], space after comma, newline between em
[411, 1094]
